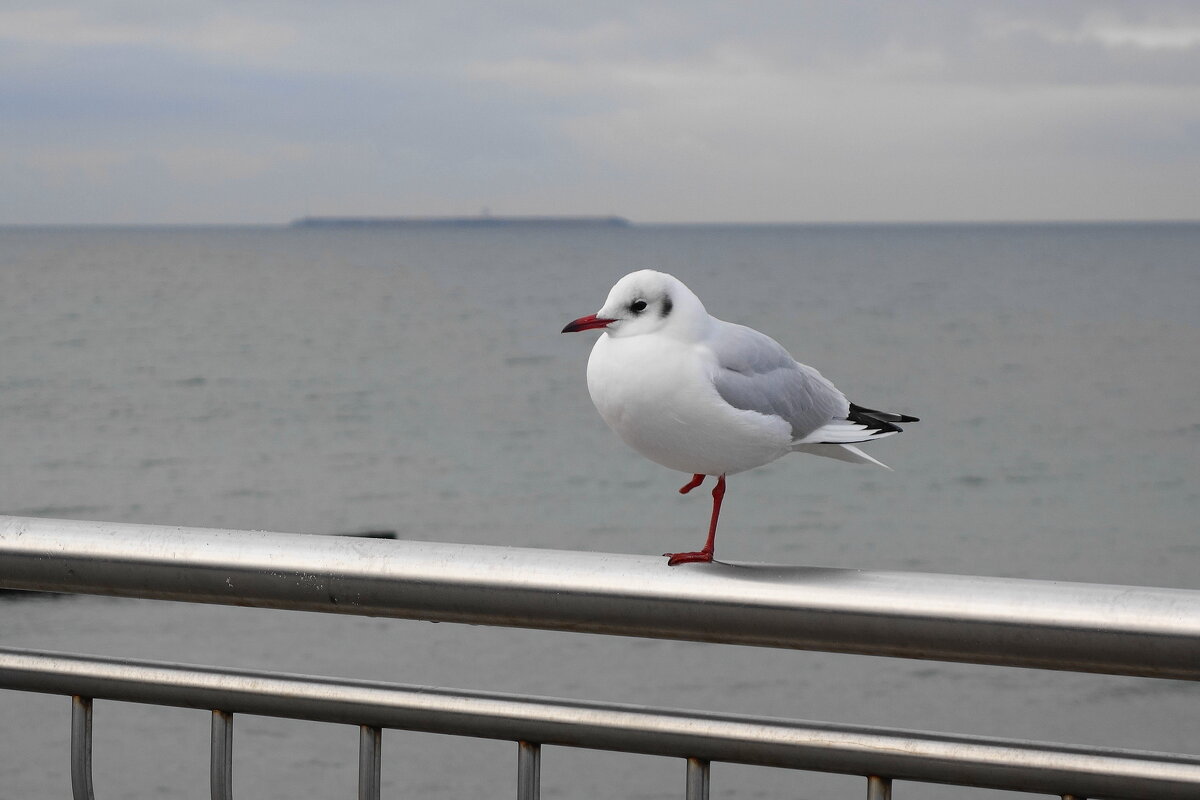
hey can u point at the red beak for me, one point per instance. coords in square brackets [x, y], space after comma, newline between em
[587, 323]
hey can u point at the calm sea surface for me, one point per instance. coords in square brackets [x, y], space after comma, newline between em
[333, 380]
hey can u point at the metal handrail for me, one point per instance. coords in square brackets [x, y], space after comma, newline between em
[1123, 630]
[699, 737]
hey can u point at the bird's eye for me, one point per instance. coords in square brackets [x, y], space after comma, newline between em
[637, 306]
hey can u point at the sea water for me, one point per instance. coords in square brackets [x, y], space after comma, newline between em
[415, 380]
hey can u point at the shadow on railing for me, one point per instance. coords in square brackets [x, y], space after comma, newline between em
[1080, 627]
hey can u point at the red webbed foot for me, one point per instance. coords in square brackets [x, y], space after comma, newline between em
[698, 557]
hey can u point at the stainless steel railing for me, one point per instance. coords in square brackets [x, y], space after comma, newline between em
[1092, 628]
[1123, 630]
[698, 737]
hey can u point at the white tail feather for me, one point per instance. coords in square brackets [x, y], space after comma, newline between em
[842, 452]
[843, 431]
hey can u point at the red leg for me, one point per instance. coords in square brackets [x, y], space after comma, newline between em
[692, 484]
[705, 554]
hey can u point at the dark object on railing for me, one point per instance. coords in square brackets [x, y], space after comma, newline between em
[17, 594]
[22, 594]
[367, 534]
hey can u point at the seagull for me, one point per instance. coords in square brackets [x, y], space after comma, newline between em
[708, 397]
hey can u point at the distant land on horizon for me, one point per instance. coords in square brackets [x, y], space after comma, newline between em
[584, 222]
[614, 221]
[482, 221]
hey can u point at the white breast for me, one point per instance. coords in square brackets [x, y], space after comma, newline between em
[656, 393]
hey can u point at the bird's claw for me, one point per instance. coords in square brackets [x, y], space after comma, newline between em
[697, 557]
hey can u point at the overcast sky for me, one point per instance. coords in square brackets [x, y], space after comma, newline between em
[258, 112]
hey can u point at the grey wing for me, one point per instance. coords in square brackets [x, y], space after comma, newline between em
[755, 373]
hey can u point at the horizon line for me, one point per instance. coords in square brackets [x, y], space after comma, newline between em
[568, 220]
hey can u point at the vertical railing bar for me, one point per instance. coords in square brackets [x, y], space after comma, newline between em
[879, 788]
[697, 779]
[220, 774]
[370, 762]
[529, 770]
[81, 748]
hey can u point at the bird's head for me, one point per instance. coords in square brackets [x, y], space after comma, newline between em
[643, 302]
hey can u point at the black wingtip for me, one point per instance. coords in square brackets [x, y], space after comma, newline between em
[879, 421]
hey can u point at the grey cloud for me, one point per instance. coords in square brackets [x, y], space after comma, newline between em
[666, 111]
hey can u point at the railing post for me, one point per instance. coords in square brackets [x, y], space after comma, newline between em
[81, 748]
[879, 788]
[221, 756]
[370, 740]
[697, 779]
[529, 770]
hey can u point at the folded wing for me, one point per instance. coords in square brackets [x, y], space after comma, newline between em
[755, 373]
